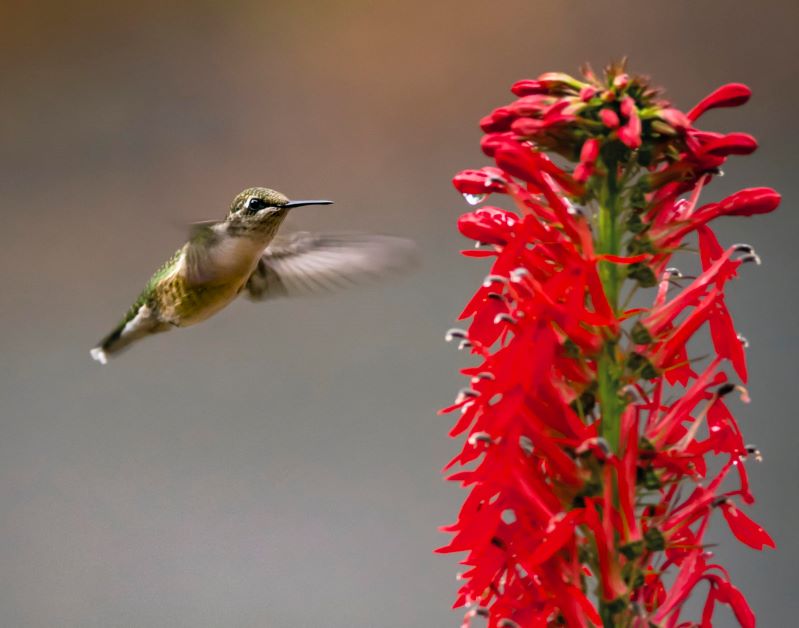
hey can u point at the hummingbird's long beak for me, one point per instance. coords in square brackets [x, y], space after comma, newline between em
[292, 204]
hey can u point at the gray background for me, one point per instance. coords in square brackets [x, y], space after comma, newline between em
[279, 465]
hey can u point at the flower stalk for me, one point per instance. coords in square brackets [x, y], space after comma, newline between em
[589, 424]
[607, 365]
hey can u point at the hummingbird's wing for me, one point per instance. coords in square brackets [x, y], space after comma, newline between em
[198, 265]
[311, 263]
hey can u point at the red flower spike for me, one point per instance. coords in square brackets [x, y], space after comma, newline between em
[589, 429]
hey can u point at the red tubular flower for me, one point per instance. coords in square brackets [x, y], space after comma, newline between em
[730, 95]
[588, 157]
[585, 419]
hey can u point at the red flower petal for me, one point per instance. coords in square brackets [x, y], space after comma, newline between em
[479, 182]
[491, 142]
[528, 87]
[489, 225]
[744, 529]
[731, 596]
[588, 157]
[497, 121]
[749, 202]
[675, 118]
[730, 144]
[730, 95]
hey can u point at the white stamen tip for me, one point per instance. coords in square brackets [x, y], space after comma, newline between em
[99, 355]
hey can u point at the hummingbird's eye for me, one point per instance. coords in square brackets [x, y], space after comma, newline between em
[255, 204]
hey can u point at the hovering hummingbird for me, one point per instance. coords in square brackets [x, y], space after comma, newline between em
[243, 255]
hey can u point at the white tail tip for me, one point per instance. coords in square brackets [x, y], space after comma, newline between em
[98, 354]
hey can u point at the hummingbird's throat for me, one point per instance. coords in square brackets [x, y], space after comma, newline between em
[260, 228]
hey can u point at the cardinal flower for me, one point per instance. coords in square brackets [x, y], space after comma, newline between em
[589, 425]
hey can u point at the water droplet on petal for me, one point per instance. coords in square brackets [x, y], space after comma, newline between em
[474, 199]
[742, 339]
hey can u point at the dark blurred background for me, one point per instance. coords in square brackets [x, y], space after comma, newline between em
[279, 465]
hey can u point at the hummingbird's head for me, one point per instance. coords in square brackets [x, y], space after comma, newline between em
[262, 209]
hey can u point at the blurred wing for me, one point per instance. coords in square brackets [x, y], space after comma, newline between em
[313, 263]
[197, 260]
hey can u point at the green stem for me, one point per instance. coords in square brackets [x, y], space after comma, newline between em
[609, 366]
[608, 376]
[609, 370]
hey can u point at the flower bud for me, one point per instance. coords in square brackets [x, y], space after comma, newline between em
[730, 95]
[609, 118]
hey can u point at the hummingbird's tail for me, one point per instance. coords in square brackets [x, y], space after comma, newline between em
[138, 324]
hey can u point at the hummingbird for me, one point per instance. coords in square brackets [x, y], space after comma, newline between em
[243, 255]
